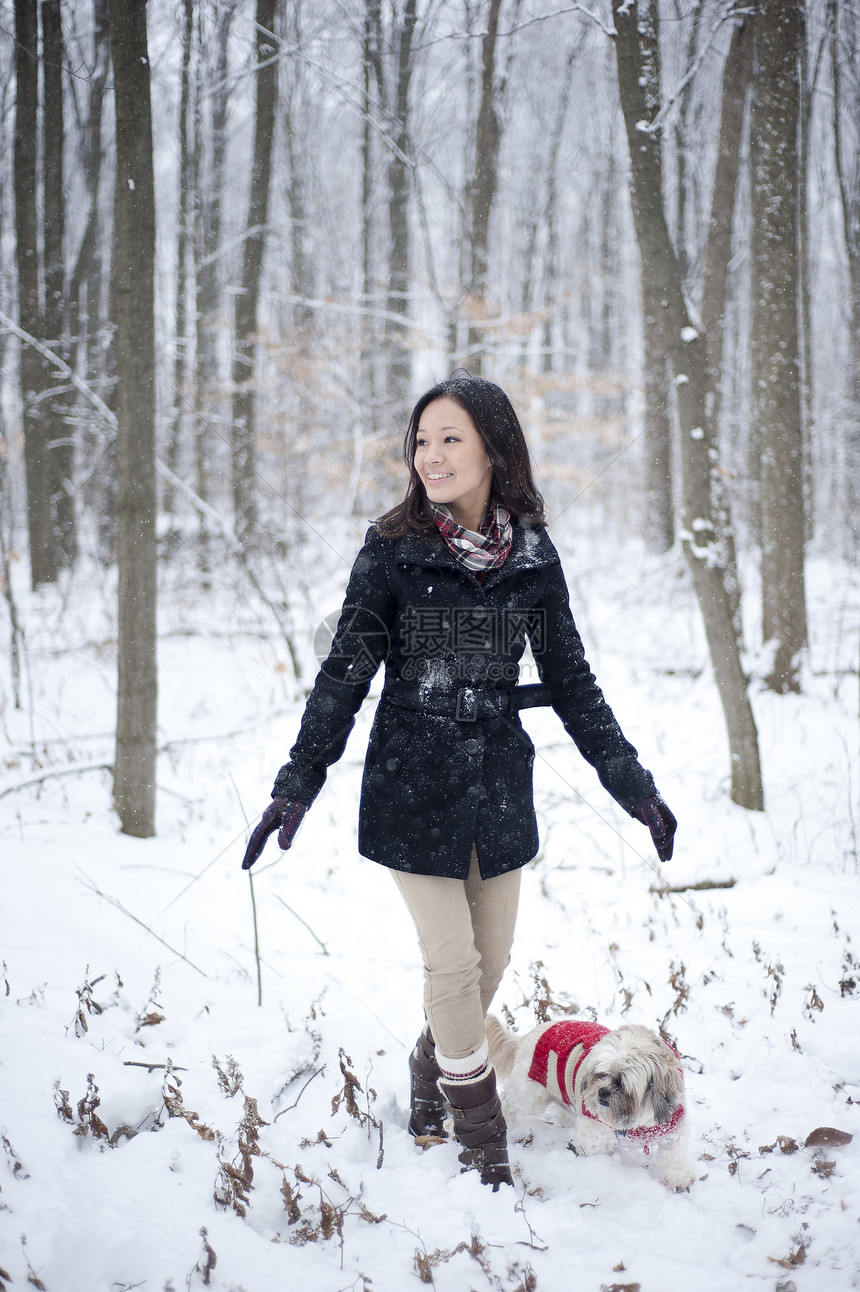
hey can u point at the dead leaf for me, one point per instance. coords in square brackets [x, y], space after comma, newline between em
[794, 1258]
[429, 1141]
[827, 1137]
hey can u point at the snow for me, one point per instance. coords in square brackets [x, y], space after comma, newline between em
[758, 982]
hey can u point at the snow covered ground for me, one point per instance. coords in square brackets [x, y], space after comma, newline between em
[160, 1129]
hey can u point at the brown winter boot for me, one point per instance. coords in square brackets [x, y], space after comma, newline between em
[479, 1126]
[428, 1110]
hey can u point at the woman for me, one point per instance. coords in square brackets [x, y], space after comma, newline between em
[446, 589]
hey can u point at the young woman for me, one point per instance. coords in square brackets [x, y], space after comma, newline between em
[445, 591]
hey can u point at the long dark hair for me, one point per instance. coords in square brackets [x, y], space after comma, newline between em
[499, 427]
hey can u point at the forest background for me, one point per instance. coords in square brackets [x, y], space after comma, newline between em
[237, 239]
[229, 264]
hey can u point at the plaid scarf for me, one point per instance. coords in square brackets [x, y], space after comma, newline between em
[479, 552]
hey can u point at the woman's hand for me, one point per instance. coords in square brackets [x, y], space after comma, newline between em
[660, 821]
[282, 815]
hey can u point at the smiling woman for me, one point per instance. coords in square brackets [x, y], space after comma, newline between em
[448, 587]
[453, 463]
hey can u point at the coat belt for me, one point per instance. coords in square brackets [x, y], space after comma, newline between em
[470, 703]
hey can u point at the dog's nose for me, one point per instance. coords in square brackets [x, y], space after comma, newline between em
[604, 1094]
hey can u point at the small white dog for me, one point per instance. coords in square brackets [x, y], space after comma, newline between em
[619, 1087]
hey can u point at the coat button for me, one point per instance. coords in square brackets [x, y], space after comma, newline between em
[472, 746]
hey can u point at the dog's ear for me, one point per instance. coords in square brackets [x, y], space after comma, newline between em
[665, 1089]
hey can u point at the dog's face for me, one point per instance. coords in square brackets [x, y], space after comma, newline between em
[631, 1078]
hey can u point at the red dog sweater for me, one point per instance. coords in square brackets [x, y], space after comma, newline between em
[568, 1043]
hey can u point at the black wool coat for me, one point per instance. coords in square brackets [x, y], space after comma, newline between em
[432, 784]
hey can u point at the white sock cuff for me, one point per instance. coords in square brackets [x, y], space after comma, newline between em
[466, 1069]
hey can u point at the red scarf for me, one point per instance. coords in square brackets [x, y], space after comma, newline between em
[485, 550]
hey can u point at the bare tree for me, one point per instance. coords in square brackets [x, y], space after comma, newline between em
[248, 297]
[659, 521]
[184, 244]
[685, 349]
[90, 327]
[59, 444]
[776, 373]
[134, 277]
[485, 178]
[42, 566]
[399, 192]
[737, 78]
[844, 23]
[208, 153]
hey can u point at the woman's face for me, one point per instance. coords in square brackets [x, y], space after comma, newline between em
[452, 462]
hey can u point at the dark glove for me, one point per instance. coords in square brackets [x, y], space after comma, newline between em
[659, 820]
[283, 815]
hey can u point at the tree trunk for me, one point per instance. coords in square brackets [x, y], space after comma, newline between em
[659, 508]
[370, 61]
[59, 443]
[482, 191]
[42, 566]
[89, 325]
[685, 351]
[399, 377]
[134, 278]
[208, 194]
[776, 376]
[846, 105]
[301, 280]
[244, 470]
[183, 246]
[737, 77]
[550, 215]
[85, 280]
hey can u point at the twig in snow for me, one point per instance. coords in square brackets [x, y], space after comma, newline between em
[60, 771]
[315, 1073]
[325, 949]
[703, 886]
[150, 1067]
[114, 901]
[253, 901]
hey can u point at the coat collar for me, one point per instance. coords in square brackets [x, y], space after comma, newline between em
[531, 549]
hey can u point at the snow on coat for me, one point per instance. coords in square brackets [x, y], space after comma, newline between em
[432, 784]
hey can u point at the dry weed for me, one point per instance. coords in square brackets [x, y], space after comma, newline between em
[32, 1277]
[776, 972]
[813, 1003]
[211, 1260]
[230, 1078]
[850, 979]
[89, 1122]
[236, 1178]
[322, 1218]
[87, 1003]
[352, 1087]
[545, 1005]
[171, 1094]
[151, 1015]
[15, 1164]
[425, 1262]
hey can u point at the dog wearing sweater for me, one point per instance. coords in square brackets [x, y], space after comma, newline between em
[619, 1087]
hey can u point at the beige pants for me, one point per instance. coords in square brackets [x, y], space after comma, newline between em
[465, 931]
